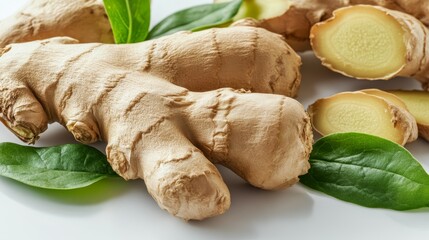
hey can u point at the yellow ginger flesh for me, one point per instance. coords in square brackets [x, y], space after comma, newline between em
[361, 112]
[361, 42]
[387, 96]
[417, 103]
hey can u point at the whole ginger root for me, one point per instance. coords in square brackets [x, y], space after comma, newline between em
[160, 132]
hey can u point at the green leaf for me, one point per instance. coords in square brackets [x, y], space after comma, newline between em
[130, 19]
[196, 18]
[63, 167]
[369, 171]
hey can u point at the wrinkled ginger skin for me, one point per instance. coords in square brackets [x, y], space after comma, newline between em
[296, 22]
[415, 38]
[156, 130]
[84, 20]
[241, 58]
[244, 58]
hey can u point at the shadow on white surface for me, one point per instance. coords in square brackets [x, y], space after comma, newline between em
[413, 219]
[251, 206]
[420, 149]
[64, 202]
[58, 135]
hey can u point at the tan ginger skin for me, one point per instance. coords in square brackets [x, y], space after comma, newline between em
[158, 131]
[85, 20]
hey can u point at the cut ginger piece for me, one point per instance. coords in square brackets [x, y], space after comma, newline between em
[365, 113]
[417, 103]
[387, 96]
[362, 42]
[370, 42]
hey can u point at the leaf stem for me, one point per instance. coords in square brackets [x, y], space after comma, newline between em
[130, 21]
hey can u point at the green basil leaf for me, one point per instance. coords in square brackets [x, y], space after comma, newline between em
[63, 167]
[130, 19]
[369, 171]
[196, 18]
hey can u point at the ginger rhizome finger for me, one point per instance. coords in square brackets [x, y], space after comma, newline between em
[245, 58]
[160, 132]
[417, 103]
[40, 19]
[368, 42]
[365, 113]
[241, 57]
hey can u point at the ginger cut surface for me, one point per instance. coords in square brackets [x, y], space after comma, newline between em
[417, 103]
[387, 96]
[368, 42]
[361, 112]
[362, 42]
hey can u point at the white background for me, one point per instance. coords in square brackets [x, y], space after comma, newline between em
[114, 209]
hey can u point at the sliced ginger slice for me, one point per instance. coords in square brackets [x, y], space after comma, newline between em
[417, 103]
[362, 42]
[387, 96]
[365, 113]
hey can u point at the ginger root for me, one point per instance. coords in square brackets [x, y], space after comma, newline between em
[365, 113]
[41, 19]
[417, 103]
[158, 131]
[241, 57]
[294, 18]
[368, 42]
